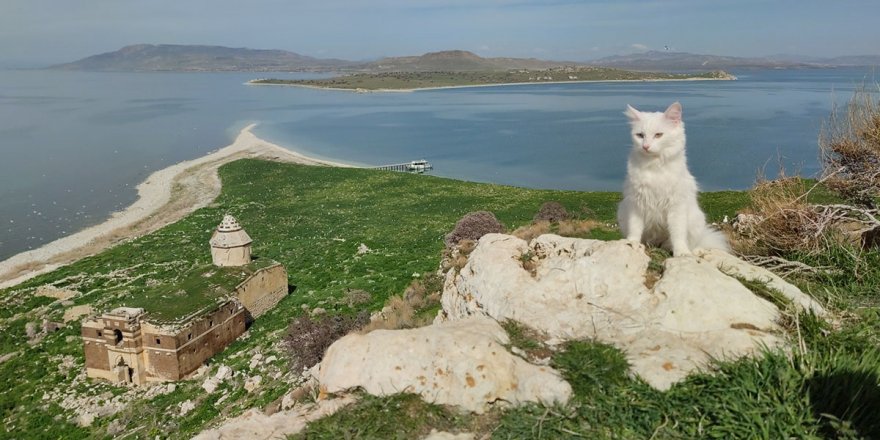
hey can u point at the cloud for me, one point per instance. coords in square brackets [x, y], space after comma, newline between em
[639, 46]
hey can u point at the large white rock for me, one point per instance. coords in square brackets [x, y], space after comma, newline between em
[734, 266]
[460, 363]
[595, 289]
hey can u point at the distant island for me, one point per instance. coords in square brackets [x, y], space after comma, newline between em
[406, 81]
[195, 58]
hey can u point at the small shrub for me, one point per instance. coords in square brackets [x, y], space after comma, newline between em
[552, 212]
[473, 226]
[307, 339]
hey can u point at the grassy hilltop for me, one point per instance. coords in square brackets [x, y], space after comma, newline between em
[314, 219]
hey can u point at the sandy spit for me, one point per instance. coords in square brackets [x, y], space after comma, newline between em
[165, 197]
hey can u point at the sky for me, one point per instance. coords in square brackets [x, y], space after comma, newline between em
[40, 32]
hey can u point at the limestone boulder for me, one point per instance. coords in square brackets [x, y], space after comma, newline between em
[668, 324]
[254, 424]
[461, 363]
[442, 435]
[734, 266]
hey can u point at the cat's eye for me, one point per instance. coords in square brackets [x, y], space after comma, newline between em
[658, 135]
[640, 135]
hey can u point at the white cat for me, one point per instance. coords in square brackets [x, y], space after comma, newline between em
[659, 204]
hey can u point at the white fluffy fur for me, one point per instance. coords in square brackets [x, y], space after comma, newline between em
[659, 204]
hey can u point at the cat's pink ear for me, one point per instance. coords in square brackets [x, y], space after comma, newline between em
[632, 113]
[673, 113]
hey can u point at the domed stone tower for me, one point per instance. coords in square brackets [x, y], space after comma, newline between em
[230, 244]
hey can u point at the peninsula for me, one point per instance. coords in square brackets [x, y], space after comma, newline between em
[409, 81]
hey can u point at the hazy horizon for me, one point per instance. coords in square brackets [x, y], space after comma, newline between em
[39, 33]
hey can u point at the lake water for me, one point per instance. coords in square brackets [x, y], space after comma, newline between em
[73, 145]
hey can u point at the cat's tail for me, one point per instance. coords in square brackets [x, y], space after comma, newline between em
[711, 238]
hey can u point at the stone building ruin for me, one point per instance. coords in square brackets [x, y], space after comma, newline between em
[128, 345]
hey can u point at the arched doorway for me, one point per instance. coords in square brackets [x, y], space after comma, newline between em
[117, 334]
[122, 370]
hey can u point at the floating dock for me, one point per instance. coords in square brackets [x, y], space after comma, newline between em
[416, 166]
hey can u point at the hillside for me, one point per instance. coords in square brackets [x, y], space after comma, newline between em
[458, 61]
[854, 60]
[314, 220]
[172, 57]
[659, 60]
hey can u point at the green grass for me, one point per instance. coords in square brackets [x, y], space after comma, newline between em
[402, 416]
[312, 220]
[198, 288]
[762, 290]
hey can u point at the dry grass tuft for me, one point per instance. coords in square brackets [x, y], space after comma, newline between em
[850, 149]
[781, 220]
[533, 230]
[565, 228]
[576, 228]
[356, 297]
[456, 257]
[407, 310]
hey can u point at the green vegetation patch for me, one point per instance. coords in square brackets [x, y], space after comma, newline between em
[196, 289]
[401, 416]
[418, 80]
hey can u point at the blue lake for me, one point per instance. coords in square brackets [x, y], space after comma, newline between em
[73, 145]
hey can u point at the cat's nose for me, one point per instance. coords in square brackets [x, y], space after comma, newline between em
[646, 147]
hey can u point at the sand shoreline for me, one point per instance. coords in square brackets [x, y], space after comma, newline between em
[164, 197]
[468, 86]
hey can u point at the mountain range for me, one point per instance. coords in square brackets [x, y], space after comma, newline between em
[172, 57]
[665, 60]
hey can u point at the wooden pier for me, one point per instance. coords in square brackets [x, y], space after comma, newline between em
[416, 166]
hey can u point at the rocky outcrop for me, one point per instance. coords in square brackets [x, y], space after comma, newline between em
[460, 363]
[669, 325]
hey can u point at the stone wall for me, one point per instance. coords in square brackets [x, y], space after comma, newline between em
[203, 338]
[94, 346]
[263, 290]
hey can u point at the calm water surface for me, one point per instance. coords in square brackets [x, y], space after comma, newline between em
[73, 145]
